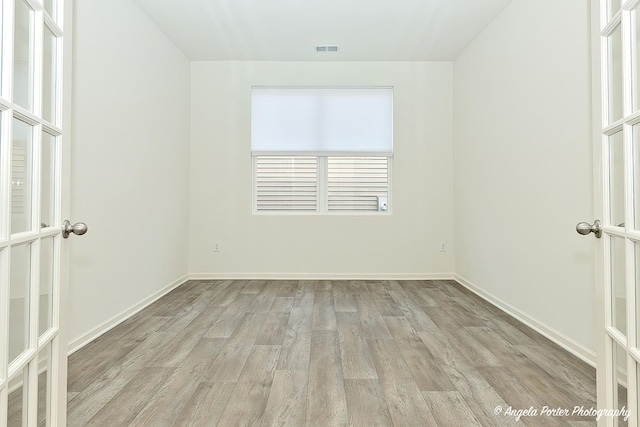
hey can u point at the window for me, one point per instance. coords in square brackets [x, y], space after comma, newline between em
[321, 150]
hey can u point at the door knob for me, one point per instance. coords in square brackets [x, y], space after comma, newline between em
[585, 228]
[79, 228]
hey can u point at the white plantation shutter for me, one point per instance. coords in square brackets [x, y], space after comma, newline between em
[356, 183]
[286, 183]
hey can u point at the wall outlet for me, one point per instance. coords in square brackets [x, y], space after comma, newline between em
[216, 247]
[443, 246]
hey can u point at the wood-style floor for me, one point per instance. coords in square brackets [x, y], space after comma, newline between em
[323, 353]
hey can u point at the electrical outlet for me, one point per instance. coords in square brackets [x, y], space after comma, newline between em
[216, 247]
[443, 246]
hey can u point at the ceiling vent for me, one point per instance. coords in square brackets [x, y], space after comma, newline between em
[327, 48]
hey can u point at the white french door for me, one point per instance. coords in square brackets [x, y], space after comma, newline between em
[616, 94]
[33, 203]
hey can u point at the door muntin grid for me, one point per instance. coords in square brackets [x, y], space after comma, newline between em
[31, 43]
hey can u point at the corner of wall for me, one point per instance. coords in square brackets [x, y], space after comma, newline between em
[136, 170]
[512, 154]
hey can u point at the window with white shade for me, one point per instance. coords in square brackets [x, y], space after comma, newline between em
[321, 150]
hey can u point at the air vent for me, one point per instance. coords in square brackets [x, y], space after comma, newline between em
[327, 48]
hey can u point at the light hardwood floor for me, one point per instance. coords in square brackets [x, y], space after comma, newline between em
[323, 353]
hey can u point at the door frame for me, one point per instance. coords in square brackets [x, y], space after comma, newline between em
[598, 206]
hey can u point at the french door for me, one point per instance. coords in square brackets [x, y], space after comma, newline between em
[33, 203]
[616, 94]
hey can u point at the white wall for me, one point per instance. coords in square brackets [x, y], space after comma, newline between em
[405, 244]
[130, 162]
[523, 165]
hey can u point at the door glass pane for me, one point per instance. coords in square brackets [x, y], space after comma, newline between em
[23, 60]
[46, 285]
[636, 54]
[47, 188]
[618, 292]
[636, 257]
[19, 300]
[1, 56]
[616, 179]
[17, 408]
[619, 379]
[44, 385]
[49, 77]
[613, 6]
[21, 177]
[49, 7]
[638, 384]
[636, 176]
[615, 75]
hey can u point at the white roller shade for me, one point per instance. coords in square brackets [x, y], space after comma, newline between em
[322, 121]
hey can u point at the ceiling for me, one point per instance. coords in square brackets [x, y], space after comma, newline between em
[289, 30]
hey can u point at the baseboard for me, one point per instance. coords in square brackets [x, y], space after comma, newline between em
[573, 347]
[321, 276]
[106, 326]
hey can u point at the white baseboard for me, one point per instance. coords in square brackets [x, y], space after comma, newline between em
[583, 353]
[321, 276]
[109, 324]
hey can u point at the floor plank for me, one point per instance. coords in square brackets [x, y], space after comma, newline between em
[126, 405]
[296, 346]
[419, 319]
[253, 287]
[406, 404]
[229, 363]
[274, 327]
[324, 312]
[354, 350]
[227, 322]
[169, 400]
[206, 405]
[343, 300]
[326, 396]
[373, 326]
[366, 403]
[251, 392]
[449, 409]
[287, 399]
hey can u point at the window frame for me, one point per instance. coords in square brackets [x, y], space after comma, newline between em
[322, 183]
